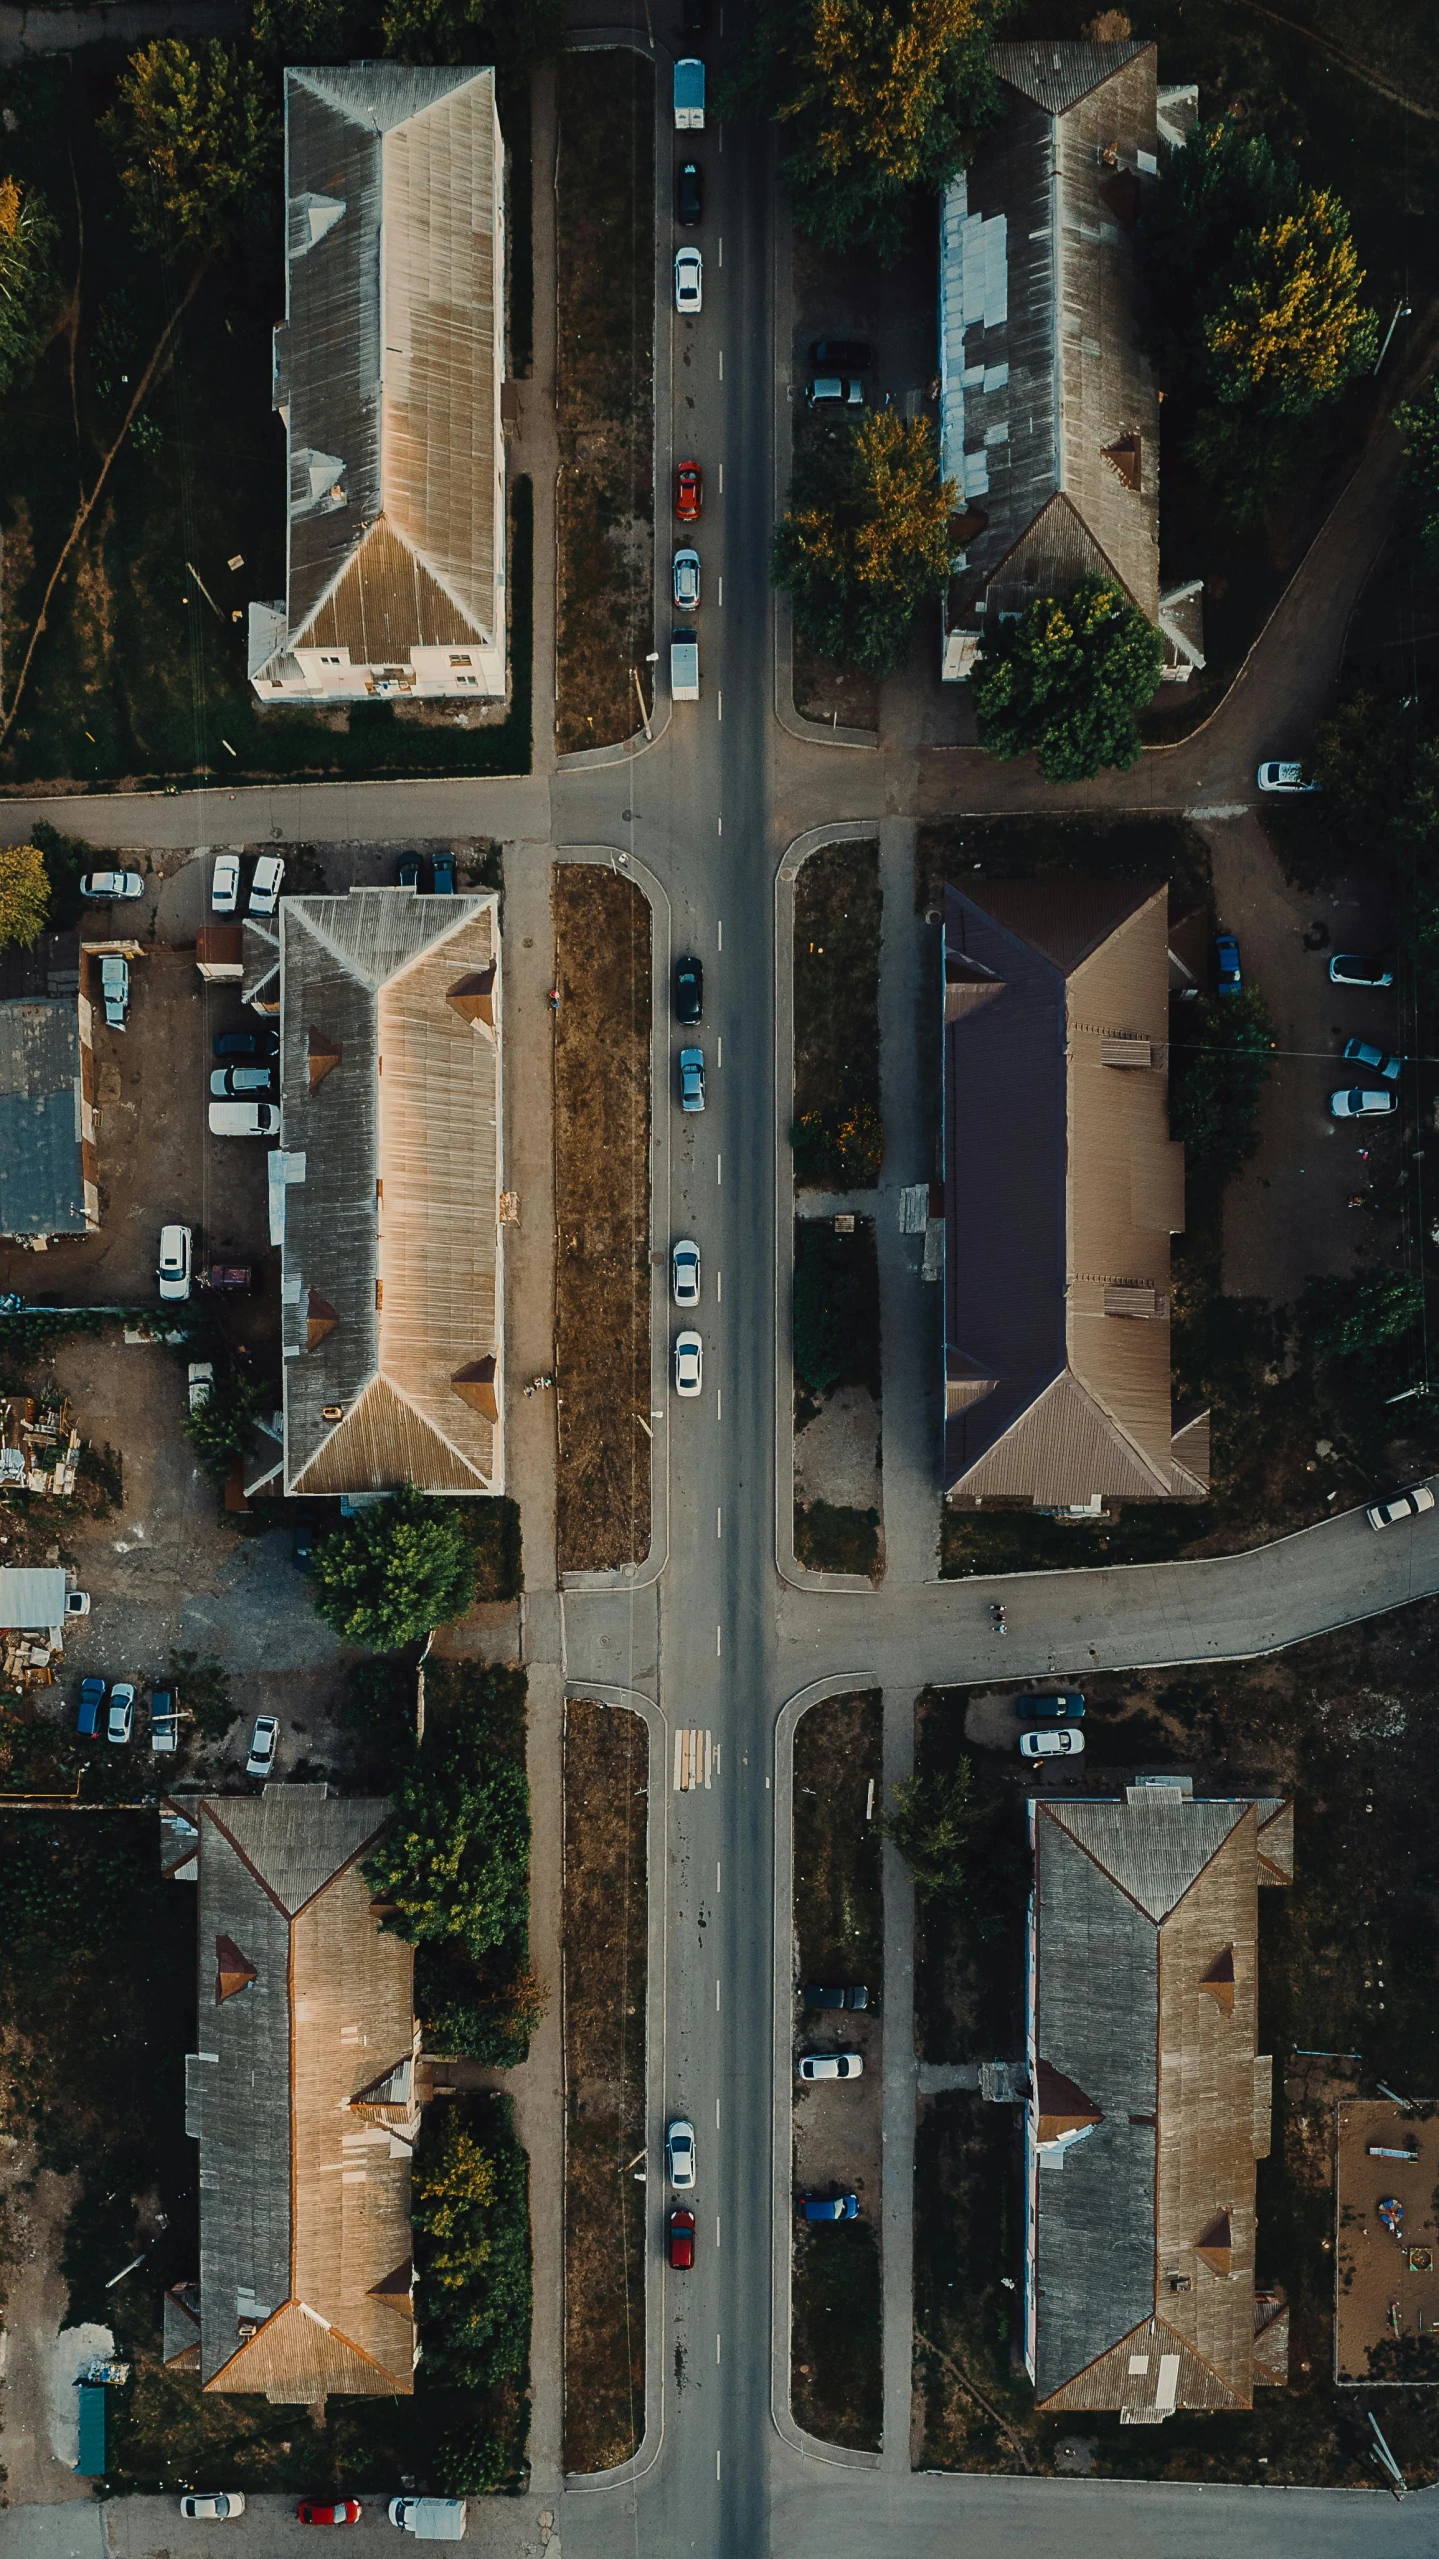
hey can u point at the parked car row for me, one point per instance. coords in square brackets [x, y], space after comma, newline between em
[441, 866]
[424, 2518]
[265, 879]
[108, 1706]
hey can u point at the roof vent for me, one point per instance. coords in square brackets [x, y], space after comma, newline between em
[473, 997]
[234, 1972]
[332, 1412]
[475, 1386]
[320, 1320]
[1219, 1982]
[1215, 2245]
[324, 1054]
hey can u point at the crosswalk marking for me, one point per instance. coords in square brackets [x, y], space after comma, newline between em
[696, 1759]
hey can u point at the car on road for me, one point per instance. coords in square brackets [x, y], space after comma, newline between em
[1057, 1741]
[214, 2506]
[164, 1720]
[244, 1119]
[235, 1083]
[409, 871]
[264, 894]
[680, 2154]
[1283, 777]
[1400, 1506]
[1059, 1702]
[117, 886]
[689, 194]
[245, 1044]
[120, 1719]
[264, 1743]
[225, 884]
[689, 492]
[689, 990]
[841, 355]
[689, 1364]
[681, 2229]
[1383, 1061]
[442, 872]
[173, 1268]
[685, 579]
[115, 988]
[835, 391]
[841, 2207]
[841, 2065]
[92, 1698]
[1226, 959]
[689, 280]
[343, 2510]
[685, 1271]
[1361, 1103]
[692, 1079]
[1358, 968]
[200, 1383]
[835, 1994]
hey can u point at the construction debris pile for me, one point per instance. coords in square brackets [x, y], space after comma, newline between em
[39, 1447]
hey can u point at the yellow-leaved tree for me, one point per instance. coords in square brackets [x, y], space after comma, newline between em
[24, 894]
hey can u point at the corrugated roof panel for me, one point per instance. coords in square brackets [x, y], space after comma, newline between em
[42, 1182]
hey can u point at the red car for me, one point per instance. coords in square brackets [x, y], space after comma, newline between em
[689, 492]
[682, 2239]
[346, 2510]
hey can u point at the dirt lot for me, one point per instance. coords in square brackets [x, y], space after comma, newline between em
[605, 191]
[838, 915]
[1386, 2281]
[602, 1217]
[606, 1913]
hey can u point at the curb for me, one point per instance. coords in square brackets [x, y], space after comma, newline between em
[781, 2102]
[589, 2483]
[792, 862]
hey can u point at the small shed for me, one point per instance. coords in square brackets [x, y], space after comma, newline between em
[219, 950]
[32, 1597]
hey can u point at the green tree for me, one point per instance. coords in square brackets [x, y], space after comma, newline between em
[24, 894]
[394, 1571]
[219, 1429]
[1063, 680]
[194, 136]
[455, 1860]
[1418, 424]
[866, 538]
[932, 1820]
[284, 31]
[877, 102]
[1218, 1068]
[470, 2458]
[29, 284]
[513, 34]
[1360, 1318]
[470, 2210]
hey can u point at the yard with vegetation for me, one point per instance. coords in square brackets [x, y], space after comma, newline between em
[837, 1132]
[605, 201]
[607, 2215]
[837, 1406]
[602, 1217]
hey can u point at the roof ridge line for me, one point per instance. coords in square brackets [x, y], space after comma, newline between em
[1126, 1437]
[1056, 1812]
[384, 1378]
[421, 558]
[1217, 1851]
[251, 1869]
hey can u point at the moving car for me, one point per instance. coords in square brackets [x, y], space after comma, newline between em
[264, 1743]
[689, 194]
[244, 1119]
[689, 1364]
[680, 2154]
[835, 391]
[689, 990]
[692, 1079]
[1283, 777]
[681, 2239]
[245, 1044]
[685, 1271]
[1053, 1701]
[164, 1720]
[200, 1383]
[429, 2518]
[689, 280]
[689, 95]
[829, 2207]
[1359, 1103]
[835, 1994]
[225, 884]
[1364, 1053]
[115, 988]
[172, 1270]
[1226, 955]
[686, 580]
[1400, 1506]
[264, 894]
[1059, 1741]
[689, 492]
[120, 1721]
[442, 871]
[233, 1083]
[223, 2506]
[841, 355]
[92, 1698]
[1357, 968]
[831, 2066]
[345, 2510]
[114, 885]
[409, 872]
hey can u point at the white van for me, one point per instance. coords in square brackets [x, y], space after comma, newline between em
[429, 2518]
[244, 1119]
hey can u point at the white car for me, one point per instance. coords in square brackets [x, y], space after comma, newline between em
[831, 2066]
[1355, 968]
[115, 988]
[218, 2507]
[686, 580]
[689, 280]
[244, 1119]
[685, 1272]
[1359, 1104]
[264, 1742]
[120, 1721]
[173, 1268]
[1400, 1506]
[77, 1603]
[264, 894]
[1283, 777]
[117, 886]
[689, 1364]
[1062, 1741]
[200, 1382]
[680, 2154]
[225, 884]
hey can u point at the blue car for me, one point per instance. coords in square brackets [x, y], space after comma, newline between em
[829, 2207]
[92, 1698]
[409, 870]
[1226, 953]
[443, 867]
[1067, 1703]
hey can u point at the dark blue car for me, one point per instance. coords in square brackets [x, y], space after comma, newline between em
[841, 2207]
[92, 1698]
[1226, 954]
[409, 870]
[443, 867]
[1067, 1703]
[246, 1044]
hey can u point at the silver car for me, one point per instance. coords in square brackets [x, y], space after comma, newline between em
[689, 281]
[264, 1743]
[686, 580]
[680, 2154]
[117, 886]
[264, 894]
[685, 1272]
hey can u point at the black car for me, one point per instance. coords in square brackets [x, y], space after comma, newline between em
[841, 355]
[835, 1994]
[689, 194]
[1066, 1703]
[409, 870]
[246, 1044]
[689, 990]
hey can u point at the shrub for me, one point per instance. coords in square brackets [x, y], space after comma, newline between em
[394, 1571]
[1218, 1070]
[1062, 681]
[472, 2246]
